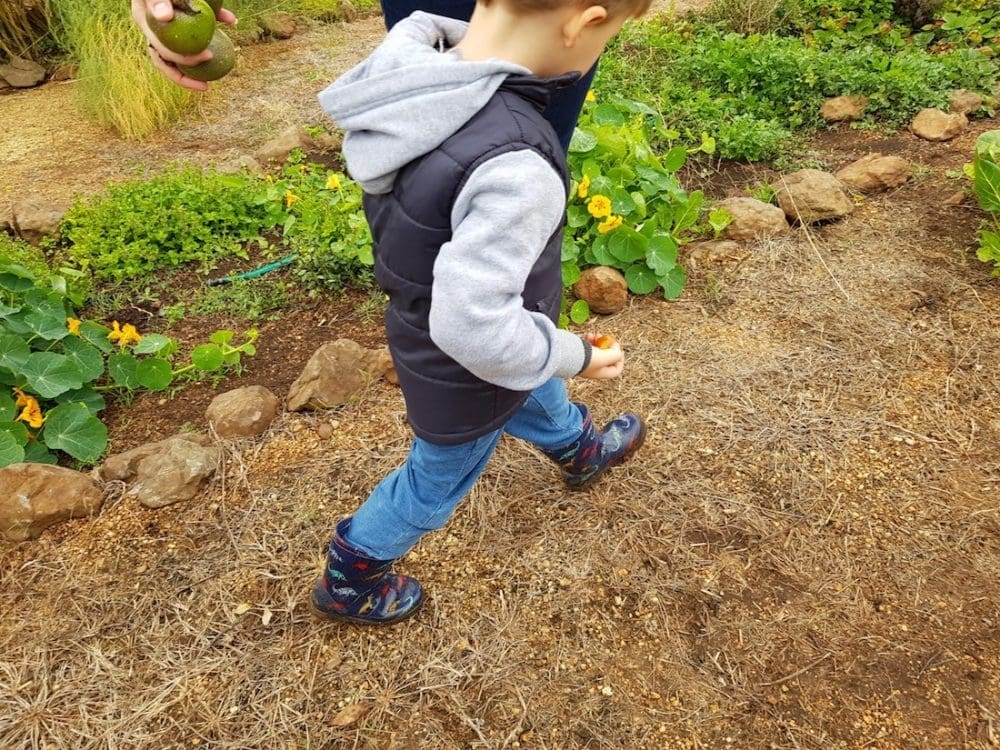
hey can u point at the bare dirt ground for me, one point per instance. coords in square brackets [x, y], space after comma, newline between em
[804, 555]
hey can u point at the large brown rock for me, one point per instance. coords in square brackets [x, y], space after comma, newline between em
[279, 24]
[603, 288]
[123, 467]
[35, 496]
[35, 218]
[278, 148]
[876, 172]
[936, 125]
[335, 373]
[175, 472]
[811, 195]
[843, 108]
[965, 101]
[752, 219]
[22, 74]
[243, 412]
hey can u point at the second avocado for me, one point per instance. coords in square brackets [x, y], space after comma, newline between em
[189, 31]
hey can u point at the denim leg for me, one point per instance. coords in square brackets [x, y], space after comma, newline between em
[419, 496]
[548, 419]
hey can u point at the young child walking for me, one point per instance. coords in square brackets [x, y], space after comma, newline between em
[465, 189]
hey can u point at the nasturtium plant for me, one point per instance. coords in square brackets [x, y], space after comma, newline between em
[627, 207]
[986, 183]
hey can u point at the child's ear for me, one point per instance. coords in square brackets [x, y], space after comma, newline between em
[582, 17]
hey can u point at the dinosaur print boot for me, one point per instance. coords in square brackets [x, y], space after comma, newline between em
[586, 458]
[358, 588]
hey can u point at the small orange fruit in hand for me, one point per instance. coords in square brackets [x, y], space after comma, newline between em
[604, 341]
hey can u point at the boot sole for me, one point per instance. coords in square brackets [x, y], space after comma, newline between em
[621, 459]
[331, 617]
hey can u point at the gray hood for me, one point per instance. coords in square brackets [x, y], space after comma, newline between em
[408, 97]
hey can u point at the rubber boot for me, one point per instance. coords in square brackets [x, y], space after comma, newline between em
[358, 588]
[587, 457]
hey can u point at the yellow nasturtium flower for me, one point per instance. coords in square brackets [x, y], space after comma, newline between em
[333, 182]
[22, 398]
[73, 325]
[124, 335]
[599, 206]
[32, 412]
[290, 199]
[613, 222]
[584, 187]
[590, 96]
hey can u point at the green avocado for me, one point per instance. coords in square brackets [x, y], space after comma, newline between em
[223, 60]
[189, 31]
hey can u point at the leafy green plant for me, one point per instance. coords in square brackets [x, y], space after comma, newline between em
[627, 208]
[54, 368]
[986, 183]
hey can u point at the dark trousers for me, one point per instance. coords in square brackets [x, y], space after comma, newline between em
[565, 106]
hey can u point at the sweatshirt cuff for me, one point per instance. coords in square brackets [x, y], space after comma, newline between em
[588, 350]
[571, 355]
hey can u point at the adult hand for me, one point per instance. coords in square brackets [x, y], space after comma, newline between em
[163, 59]
[605, 364]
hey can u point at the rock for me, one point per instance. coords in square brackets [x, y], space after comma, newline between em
[242, 412]
[335, 373]
[936, 125]
[346, 11]
[811, 195]
[965, 102]
[325, 142]
[711, 252]
[278, 149]
[603, 288]
[175, 472]
[5, 88]
[955, 199]
[278, 24]
[63, 72]
[6, 216]
[35, 218]
[876, 172]
[324, 430]
[752, 219]
[36, 496]
[123, 467]
[843, 108]
[22, 74]
[384, 366]
[238, 164]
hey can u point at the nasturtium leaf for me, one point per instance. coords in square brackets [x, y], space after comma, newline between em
[674, 158]
[579, 312]
[14, 352]
[72, 428]
[249, 349]
[601, 185]
[608, 114]
[602, 254]
[154, 373]
[88, 357]
[19, 430]
[122, 369]
[673, 282]
[151, 344]
[7, 408]
[14, 283]
[658, 179]
[35, 452]
[563, 320]
[688, 211]
[582, 141]
[719, 219]
[87, 396]
[591, 168]
[640, 204]
[6, 310]
[570, 273]
[577, 216]
[987, 183]
[46, 326]
[96, 334]
[221, 337]
[10, 451]
[640, 279]
[621, 202]
[50, 374]
[207, 357]
[570, 249]
[627, 245]
[662, 254]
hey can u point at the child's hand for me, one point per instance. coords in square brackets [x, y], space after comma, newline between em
[605, 363]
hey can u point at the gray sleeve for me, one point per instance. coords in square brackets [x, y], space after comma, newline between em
[501, 221]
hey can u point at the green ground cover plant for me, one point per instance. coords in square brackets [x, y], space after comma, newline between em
[755, 92]
[986, 183]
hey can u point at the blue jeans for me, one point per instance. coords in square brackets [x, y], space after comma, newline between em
[422, 494]
[565, 105]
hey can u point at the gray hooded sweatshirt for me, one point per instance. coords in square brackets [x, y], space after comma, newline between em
[404, 101]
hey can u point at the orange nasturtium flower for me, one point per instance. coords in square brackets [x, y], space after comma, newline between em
[599, 206]
[73, 325]
[32, 412]
[124, 336]
[590, 96]
[613, 222]
[584, 187]
[22, 398]
[333, 182]
[290, 199]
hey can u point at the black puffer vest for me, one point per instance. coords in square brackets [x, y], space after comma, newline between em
[445, 403]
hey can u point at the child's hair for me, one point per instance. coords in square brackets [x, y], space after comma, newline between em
[630, 8]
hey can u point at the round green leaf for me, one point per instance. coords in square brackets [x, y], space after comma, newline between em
[7, 409]
[14, 352]
[93, 400]
[640, 279]
[10, 451]
[50, 374]
[97, 335]
[582, 141]
[151, 344]
[622, 203]
[674, 159]
[48, 327]
[35, 452]
[608, 114]
[19, 431]
[88, 357]
[122, 369]
[602, 254]
[579, 312]
[207, 357]
[154, 373]
[662, 254]
[627, 245]
[570, 273]
[221, 337]
[71, 428]
[673, 282]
